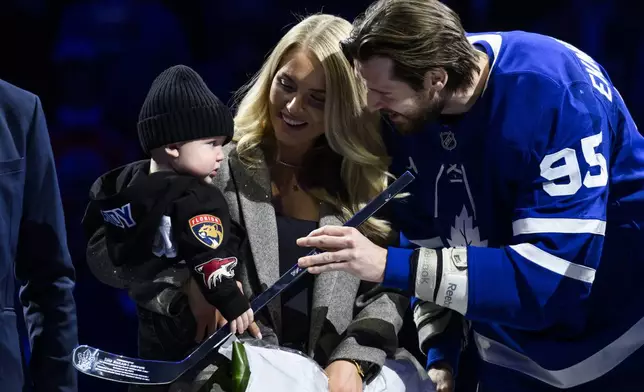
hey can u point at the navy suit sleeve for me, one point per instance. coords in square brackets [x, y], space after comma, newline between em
[44, 267]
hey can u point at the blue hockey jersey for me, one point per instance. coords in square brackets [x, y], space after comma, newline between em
[543, 182]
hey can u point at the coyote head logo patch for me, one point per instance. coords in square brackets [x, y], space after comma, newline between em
[214, 271]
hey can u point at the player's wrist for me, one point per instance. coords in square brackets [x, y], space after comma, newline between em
[397, 272]
[441, 365]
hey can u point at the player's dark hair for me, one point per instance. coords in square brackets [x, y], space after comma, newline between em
[418, 36]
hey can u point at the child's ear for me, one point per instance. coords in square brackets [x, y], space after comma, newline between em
[172, 150]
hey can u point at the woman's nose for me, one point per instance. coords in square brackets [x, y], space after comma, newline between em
[295, 104]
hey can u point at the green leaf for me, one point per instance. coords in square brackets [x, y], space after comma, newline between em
[240, 368]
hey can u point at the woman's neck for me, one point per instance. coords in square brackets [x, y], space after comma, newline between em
[290, 155]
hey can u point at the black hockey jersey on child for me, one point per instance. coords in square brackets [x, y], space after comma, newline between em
[171, 216]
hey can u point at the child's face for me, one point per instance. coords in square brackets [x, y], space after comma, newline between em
[200, 158]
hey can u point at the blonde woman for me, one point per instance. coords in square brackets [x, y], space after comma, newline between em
[284, 179]
[291, 169]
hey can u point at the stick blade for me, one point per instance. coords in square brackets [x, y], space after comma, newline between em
[119, 368]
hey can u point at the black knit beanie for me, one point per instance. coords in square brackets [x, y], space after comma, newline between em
[180, 108]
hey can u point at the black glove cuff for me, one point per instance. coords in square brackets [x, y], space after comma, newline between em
[229, 300]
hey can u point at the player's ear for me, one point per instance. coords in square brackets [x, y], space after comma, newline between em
[435, 79]
[172, 150]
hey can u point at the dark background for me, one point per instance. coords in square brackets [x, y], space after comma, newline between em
[92, 62]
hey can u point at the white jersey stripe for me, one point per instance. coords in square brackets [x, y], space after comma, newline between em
[554, 263]
[558, 225]
[582, 372]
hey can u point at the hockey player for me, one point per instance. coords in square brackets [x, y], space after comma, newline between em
[527, 211]
[163, 210]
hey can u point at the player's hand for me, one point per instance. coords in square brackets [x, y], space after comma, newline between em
[206, 316]
[441, 375]
[346, 249]
[343, 377]
[253, 329]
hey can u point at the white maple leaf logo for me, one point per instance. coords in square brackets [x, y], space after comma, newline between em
[463, 233]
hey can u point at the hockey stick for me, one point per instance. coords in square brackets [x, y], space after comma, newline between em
[119, 368]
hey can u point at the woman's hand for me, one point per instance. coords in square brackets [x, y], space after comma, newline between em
[343, 377]
[207, 317]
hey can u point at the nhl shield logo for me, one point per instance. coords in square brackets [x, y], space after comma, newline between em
[448, 140]
[208, 230]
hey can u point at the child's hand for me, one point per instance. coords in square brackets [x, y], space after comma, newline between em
[209, 319]
[253, 329]
[241, 323]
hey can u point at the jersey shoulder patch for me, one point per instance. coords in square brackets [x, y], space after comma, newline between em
[214, 271]
[207, 229]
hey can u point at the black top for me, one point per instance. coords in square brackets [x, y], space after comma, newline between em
[296, 301]
[163, 215]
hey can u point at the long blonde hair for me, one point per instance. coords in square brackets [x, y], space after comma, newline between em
[350, 130]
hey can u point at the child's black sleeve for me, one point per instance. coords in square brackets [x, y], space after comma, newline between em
[209, 245]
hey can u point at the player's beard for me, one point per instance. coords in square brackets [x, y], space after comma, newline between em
[427, 112]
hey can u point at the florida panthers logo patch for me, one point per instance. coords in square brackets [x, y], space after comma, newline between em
[208, 230]
[214, 271]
